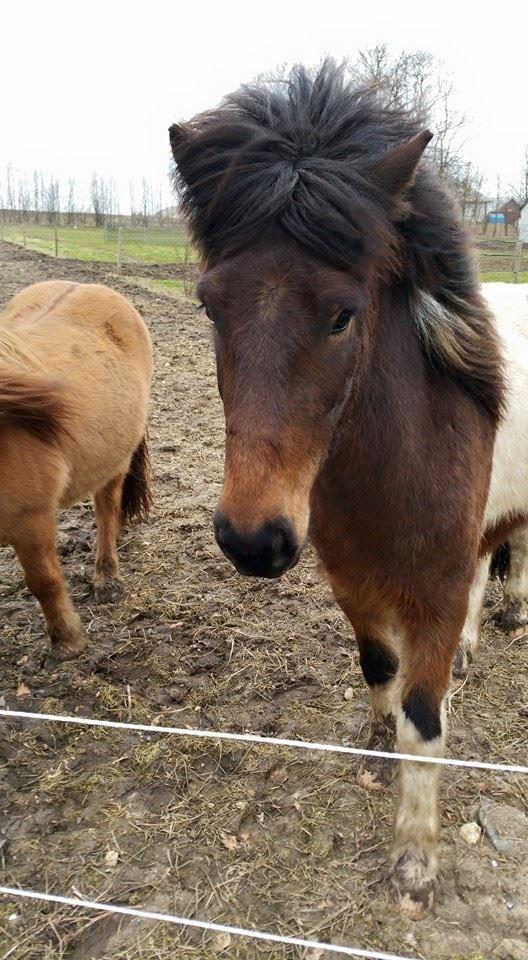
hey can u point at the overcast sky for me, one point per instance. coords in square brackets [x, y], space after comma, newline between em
[94, 86]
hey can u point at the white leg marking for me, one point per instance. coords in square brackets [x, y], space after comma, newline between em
[515, 613]
[417, 819]
[471, 631]
[517, 581]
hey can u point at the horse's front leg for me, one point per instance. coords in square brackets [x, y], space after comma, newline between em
[515, 612]
[35, 546]
[378, 656]
[470, 636]
[427, 654]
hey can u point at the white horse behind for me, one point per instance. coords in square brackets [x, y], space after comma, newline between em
[507, 505]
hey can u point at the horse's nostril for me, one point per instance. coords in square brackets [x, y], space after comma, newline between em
[265, 552]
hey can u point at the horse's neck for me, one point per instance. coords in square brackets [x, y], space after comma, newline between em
[393, 386]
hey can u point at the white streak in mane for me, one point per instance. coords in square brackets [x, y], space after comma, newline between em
[444, 334]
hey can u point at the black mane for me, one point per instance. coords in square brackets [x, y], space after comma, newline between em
[300, 155]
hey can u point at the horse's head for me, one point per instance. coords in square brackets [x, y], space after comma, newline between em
[294, 206]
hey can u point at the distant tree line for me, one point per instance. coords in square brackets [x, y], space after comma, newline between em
[413, 80]
[39, 199]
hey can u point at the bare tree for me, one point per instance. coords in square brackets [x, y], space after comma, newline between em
[415, 81]
[70, 202]
[100, 199]
[24, 200]
[520, 192]
[147, 202]
[36, 196]
[523, 192]
[10, 201]
[418, 82]
[50, 198]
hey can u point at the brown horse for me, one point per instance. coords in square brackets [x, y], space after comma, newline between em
[362, 379]
[75, 369]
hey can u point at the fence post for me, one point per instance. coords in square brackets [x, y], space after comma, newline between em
[517, 257]
[105, 231]
[56, 238]
[1, 230]
[119, 248]
[23, 238]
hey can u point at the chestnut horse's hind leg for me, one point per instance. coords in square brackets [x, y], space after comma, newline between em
[35, 546]
[107, 583]
[421, 730]
[515, 612]
[470, 636]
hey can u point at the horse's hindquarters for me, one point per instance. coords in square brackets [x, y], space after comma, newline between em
[508, 492]
[97, 346]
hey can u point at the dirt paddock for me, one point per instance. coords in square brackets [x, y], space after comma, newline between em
[253, 836]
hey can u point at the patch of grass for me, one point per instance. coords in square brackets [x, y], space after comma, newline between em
[503, 276]
[169, 288]
[149, 245]
[147, 753]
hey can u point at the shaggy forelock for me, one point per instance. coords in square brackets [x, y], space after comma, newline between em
[298, 155]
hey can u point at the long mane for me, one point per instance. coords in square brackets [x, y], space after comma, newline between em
[301, 156]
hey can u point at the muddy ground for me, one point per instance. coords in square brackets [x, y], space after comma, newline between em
[272, 839]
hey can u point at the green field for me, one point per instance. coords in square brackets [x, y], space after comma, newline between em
[169, 288]
[167, 246]
[151, 245]
[501, 276]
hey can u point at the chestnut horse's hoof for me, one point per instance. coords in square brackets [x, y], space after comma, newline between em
[108, 592]
[413, 881]
[65, 648]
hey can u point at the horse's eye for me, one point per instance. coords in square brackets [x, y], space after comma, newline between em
[342, 321]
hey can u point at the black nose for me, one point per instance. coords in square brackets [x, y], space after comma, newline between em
[266, 552]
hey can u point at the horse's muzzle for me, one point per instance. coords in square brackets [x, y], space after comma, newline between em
[266, 552]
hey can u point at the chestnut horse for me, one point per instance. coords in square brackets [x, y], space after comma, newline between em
[75, 369]
[363, 382]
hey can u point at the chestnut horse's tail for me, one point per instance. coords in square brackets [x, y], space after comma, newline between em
[136, 499]
[33, 403]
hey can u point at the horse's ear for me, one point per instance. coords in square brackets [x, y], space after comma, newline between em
[179, 137]
[396, 168]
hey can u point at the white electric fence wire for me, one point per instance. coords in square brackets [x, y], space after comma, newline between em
[270, 741]
[201, 924]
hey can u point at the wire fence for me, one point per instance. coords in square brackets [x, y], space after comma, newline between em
[254, 738]
[502, 259]
[161, 245]
[128, 247]
[243, 738]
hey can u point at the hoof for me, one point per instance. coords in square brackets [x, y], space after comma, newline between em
[460, 667]
[514, 618]
[412, 885]
[109, 592]
[63, 648]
